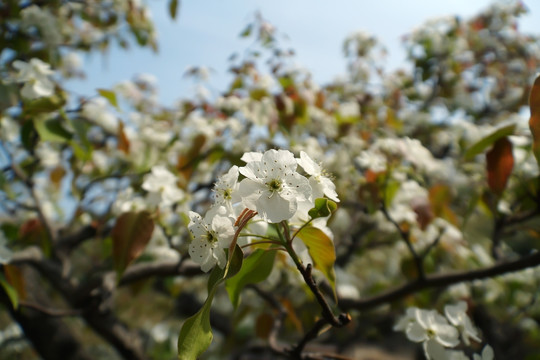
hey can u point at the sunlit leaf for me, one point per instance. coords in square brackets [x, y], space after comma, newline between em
[440, 197]
[323, 208]
[44, 104]
[130, 235]
[10, 291]
[110, 96]
[322, 252]
[52, 130]
[486, 142]
[15, 278]
[256, 268]
[499, 162]
[534, 121]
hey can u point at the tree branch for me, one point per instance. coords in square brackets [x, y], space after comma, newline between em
[441, 280]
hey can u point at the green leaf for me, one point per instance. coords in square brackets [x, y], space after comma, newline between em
[52, 130]
[256, 268]
[8, 96]
[247, 31]
[44, 104]
[130, 235]
[110, 96]
[235, 263]
[323, 208]
[173, 8]
[216, 276]
[196, 333]
[486, 142]
[322, 252]
[390, 190]
[28, 135]
[10, 292]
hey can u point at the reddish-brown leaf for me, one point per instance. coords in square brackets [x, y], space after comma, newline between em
[263, 325]
[130, 235]
[123, 141]
[424, 213]
[56, 175]
[186, 162]
[534, 121]
[500, 162]
[15, 278]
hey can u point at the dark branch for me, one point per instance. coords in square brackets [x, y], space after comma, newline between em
[439, 281]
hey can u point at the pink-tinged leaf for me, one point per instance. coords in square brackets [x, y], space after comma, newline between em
[500, 162]
[130, 235]
[534, 121]
[322, 252]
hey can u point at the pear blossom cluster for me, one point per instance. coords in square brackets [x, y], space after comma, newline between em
[271, 185]
[35, 75]
[440, 334]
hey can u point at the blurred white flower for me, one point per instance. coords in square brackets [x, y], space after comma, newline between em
[35, 76]
[457, 315]
[487, 354]
[319, 181]
[97, 111]
[44, 21]
[431, 329]
[161, 184]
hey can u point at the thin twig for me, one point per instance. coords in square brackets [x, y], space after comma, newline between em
[51, 312]
[439, 281]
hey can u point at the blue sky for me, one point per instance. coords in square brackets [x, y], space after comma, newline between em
[206, 33]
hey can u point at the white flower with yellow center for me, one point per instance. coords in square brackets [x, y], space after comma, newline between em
[211, 236]
[226, 188]
[319, 181]
[272, 186]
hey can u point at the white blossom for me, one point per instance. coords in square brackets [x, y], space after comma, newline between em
[211, 236]
[429, 328]
[97, 111]
[35, 76]
[487, 354]
[319, 181]
[428, 324]
[457, 315]
[226, 188]
[161, 184]
[272, 186]
[44, 21]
